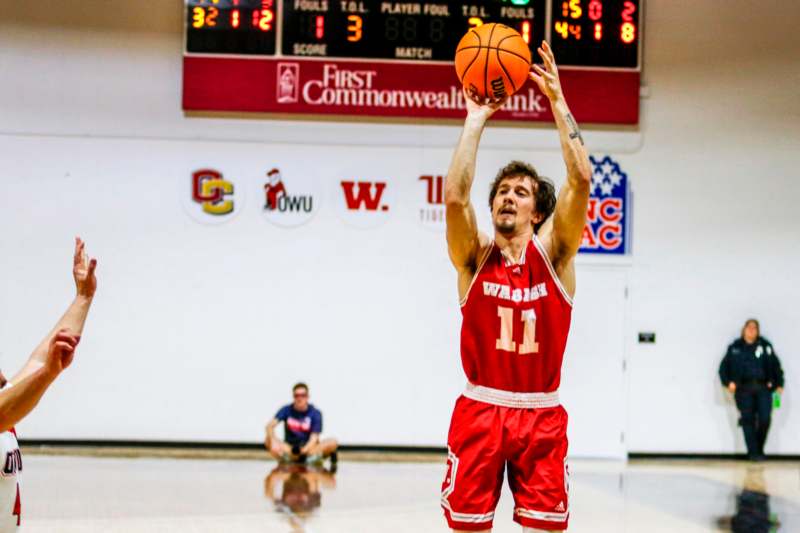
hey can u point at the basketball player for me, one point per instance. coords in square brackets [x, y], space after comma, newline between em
[516, 299]
[48, 360]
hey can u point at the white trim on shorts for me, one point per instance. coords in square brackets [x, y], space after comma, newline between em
[540, 515]
[460, 517]
[503, 398]
[466, 517]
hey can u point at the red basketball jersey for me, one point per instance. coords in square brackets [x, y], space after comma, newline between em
[516, 319]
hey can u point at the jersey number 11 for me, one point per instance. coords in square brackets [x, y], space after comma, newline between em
[506, 340]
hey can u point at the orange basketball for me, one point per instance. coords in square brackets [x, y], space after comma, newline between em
[493, 60]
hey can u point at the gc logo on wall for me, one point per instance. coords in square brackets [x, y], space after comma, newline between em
[211, 198]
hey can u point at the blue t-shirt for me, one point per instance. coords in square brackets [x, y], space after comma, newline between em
[299, 425]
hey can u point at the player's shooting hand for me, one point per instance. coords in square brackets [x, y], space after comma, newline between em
[481, 108]
[547, 77]
[61, 351]
[83, 270]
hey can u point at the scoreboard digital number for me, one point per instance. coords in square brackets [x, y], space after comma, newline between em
[596, 33]
[231, 26]
[423, 31]
[590, 33]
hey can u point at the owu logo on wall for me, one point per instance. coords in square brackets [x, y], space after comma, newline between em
[607, 229]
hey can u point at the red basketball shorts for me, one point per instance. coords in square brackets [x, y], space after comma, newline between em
[485, 439]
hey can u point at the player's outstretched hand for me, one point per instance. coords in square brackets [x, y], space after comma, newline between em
[61, 351]
[547, 78]
[483, 108]
[83, 270]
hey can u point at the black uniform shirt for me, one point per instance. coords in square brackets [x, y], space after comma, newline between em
[751, 362]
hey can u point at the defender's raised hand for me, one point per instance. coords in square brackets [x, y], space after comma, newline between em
[61, 351]
[547, 78]
[83, 270]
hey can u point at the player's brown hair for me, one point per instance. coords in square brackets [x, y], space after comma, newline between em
[299, 385]
[543, 189]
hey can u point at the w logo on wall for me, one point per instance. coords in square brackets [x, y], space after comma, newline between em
[364, 203]
[608, 228]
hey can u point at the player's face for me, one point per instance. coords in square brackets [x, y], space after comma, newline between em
[514, 205]
[301, 399]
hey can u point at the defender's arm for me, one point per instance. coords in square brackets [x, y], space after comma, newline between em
[19, 399]
[75, 316]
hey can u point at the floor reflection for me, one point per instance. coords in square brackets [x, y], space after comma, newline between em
[752, 507]
[296, 491]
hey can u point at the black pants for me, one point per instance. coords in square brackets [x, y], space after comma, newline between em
[755, 406]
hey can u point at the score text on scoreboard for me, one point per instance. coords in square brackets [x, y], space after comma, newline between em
[421, 31]
[596, 33]
[231, 26]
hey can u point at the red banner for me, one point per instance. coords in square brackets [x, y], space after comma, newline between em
[388, 89]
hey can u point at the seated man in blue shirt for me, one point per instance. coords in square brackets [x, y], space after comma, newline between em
[302, 428]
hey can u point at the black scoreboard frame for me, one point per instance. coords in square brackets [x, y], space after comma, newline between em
[548, 34]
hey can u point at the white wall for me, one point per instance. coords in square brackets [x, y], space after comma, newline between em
[191, 338]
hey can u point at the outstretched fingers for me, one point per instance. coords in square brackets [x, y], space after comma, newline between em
[546, 53]
[78, 256]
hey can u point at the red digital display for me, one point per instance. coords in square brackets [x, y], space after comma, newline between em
[231, 26]
[596, 33]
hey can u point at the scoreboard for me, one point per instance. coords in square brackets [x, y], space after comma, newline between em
[405, 43]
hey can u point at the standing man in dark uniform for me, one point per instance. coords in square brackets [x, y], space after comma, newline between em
[752, 371]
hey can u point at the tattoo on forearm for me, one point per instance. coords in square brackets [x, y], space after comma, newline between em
[576, 132]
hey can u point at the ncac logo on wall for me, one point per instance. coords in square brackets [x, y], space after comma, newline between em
[363, 203]
[212, 199]
[289, 203]
[607, 229]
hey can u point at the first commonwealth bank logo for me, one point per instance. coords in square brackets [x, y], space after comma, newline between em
[288, 89]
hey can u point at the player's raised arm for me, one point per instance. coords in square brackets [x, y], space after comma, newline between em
[74, 318]
[562, 234]
[463, 238]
